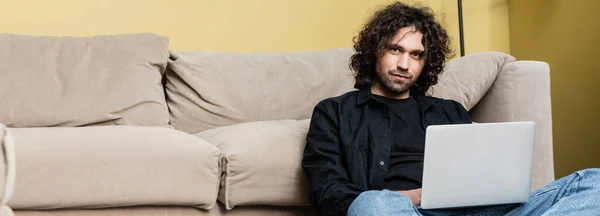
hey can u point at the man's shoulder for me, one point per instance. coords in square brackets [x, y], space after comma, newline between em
[445, 103]
[340, 100]
[456, 111]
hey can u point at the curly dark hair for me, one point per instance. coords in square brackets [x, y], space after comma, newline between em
[372, 42]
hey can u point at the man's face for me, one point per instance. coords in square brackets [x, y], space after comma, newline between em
[399, 67]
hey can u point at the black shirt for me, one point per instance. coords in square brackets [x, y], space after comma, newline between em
[405, 169]
[348, 145]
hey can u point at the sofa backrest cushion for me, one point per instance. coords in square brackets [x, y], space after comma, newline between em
[80, 81]
[467, 79]
[206, 90]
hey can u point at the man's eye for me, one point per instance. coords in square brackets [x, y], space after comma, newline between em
[395, 50]
[416, 54]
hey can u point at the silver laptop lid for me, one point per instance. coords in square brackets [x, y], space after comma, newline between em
[477, 164]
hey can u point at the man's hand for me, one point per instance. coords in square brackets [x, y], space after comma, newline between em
[414, 195]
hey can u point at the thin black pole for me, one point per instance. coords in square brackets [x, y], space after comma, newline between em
[460, 28]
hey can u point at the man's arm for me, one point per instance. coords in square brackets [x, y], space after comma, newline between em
[414, 195]
[330, 193]
[462, 115]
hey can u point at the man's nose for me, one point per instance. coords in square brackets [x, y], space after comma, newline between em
[404, 63]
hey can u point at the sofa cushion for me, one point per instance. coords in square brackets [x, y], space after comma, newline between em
[6, 211]
[467, 79]
[112, 166]
[207, 90]
[76, 81]
[7, 166]
[262, 162]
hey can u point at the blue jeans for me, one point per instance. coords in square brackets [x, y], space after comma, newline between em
[576, 194]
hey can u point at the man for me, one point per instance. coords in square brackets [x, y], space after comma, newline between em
[364, 151]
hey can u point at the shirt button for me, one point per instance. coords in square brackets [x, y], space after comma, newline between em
[381, 163]
[384, 135]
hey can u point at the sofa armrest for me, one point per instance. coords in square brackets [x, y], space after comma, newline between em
[7, 170]
[521, 92]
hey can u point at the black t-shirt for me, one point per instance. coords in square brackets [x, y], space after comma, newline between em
[405, 170]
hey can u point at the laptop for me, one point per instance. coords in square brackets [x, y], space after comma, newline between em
[470, 165]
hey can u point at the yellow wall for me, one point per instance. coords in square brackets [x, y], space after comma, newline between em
[566, 34]
[215, 25]
[242, 25]
[485, 25]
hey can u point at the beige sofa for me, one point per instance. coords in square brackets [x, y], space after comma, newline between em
[120, 125]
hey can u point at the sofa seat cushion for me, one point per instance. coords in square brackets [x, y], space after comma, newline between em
[7, 167]
[113, 166]
[262, 162]
[6, 211]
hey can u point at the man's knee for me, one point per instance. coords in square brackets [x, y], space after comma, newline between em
[590, 173]
[370, 202]
[370, 199]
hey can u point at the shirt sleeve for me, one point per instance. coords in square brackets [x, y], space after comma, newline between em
[463, 116]
[331, 192]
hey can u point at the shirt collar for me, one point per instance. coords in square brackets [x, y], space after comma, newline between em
[365, 95]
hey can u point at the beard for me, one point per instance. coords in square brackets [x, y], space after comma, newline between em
[389, 82]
